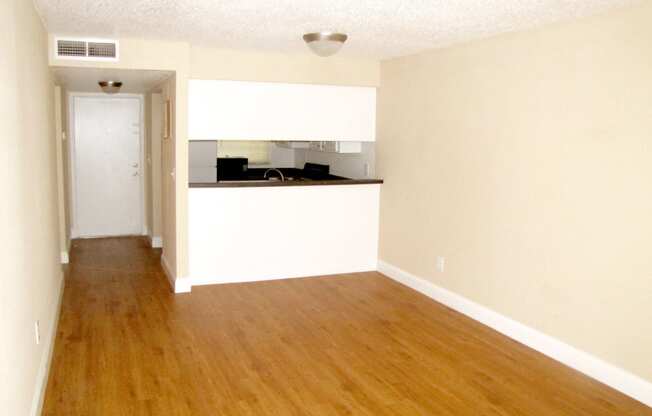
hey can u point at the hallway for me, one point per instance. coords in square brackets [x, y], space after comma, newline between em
[350, 344]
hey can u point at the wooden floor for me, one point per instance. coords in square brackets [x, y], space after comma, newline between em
[345, 345]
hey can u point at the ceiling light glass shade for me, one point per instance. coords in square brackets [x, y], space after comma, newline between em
[325, 43]
[110, 87]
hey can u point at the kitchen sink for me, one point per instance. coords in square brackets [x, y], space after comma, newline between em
[244, 181]
[257, 180]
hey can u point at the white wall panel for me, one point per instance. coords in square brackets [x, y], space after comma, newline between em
[264, 233]
[235, 110]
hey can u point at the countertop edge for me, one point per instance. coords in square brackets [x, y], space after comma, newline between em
[287, 183]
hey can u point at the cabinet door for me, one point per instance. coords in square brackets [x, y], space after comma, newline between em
[234, 110]
[330, 147]
[319, 146]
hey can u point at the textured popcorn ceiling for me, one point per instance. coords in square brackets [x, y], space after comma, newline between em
[376, 28]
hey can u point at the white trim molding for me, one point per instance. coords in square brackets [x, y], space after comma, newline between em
[609, 374]
[183, 285]
[178, 285]
[46, 357]
[156, 241]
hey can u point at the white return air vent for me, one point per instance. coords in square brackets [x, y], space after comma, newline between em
[86, 49]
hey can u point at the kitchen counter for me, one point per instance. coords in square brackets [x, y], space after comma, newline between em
[297, 182]
[295, 177]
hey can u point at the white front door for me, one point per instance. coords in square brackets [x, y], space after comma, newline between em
[106, 166]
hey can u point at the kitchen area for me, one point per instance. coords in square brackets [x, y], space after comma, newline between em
[281, 181]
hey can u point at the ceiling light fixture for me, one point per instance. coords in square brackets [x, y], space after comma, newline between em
[325, 43]
[110, 87]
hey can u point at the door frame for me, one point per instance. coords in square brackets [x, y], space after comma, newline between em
[72, 153]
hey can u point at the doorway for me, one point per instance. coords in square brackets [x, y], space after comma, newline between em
[107, 165]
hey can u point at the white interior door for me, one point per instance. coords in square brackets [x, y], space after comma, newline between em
[107, 166]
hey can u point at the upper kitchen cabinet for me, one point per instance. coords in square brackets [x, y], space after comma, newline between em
[235, 110]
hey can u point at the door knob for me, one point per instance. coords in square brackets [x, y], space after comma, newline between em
[134, 174]
[135, 165]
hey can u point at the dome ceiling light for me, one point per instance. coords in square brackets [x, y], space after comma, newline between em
[325, 43]
[110, 87]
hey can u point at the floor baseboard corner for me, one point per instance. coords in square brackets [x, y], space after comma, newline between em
[606, 373]
[178, 285]
[182, 285]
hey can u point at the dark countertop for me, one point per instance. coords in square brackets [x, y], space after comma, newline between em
[305, 182]
[254, 178]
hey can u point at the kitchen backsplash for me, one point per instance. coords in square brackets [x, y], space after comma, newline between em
[286, 154]
[351, 165]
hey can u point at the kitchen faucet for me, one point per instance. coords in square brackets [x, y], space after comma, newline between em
[274, 170]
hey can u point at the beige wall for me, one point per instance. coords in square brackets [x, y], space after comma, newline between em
[153, 140]
[63, 166]
[168, 177]
[147, 169]
[157, 140]
[30, 271]
[526, 161]
[62, 206]
[67, 182]
[212, 63]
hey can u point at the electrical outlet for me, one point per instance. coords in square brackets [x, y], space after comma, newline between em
[441, 262]
[37, 332]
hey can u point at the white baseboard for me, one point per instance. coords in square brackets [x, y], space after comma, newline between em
[177, 285]
[168, 272]
[46, 357]
[64, 257]
[183, 285]
[615, 377]
[156, 241]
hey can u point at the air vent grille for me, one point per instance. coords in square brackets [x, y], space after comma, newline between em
[101, 49]
[71, 48]
[87, 49]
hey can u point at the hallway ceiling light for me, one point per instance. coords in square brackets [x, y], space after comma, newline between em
[325, 43]
[110, 87]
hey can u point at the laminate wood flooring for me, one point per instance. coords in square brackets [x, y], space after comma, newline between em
[356, 344]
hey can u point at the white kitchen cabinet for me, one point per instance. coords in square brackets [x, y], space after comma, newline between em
[317, 145]
[336, 147]
[341, 147]
[293, 145]
[236, 110]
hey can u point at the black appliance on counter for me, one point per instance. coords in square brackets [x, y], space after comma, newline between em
[316, 171]
[232, 168]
